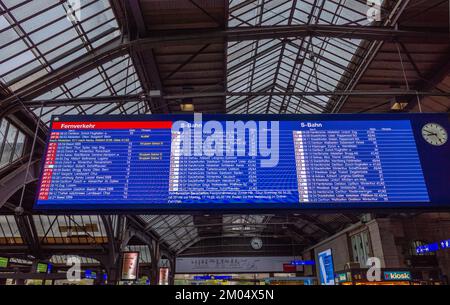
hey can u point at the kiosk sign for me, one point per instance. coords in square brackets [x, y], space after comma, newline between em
[397, 275]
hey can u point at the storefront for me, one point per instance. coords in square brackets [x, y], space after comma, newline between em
[387, 277]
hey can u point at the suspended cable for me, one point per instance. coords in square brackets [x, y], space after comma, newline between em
[403, 67]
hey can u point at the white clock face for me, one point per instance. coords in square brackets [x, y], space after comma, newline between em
[256, 243]
[434, 134]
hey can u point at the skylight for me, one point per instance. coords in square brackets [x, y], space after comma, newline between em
[37, 37]
[299, 64]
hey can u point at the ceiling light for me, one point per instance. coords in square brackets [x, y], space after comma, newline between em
[399, 103]
[397, 106]
[187, 107]
[155, 93]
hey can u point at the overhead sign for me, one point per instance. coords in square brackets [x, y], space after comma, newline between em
[303, 263]
[445, 244]
[427, 248]
[232, 264]
[212, 277]
[242, 162]
[89, 274]
[433, 247]
[397, 275]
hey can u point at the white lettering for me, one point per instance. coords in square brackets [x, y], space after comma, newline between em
[374, 272]
[74, 272]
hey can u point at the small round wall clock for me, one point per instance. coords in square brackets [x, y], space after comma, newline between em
[434, 134]
[256, 243]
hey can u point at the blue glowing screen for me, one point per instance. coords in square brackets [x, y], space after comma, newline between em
[326, 267]
[242, 162]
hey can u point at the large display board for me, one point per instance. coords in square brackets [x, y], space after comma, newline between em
[242, 162]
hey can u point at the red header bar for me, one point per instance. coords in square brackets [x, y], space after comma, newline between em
[112, 125]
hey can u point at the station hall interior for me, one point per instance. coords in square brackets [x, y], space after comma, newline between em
[130, 58]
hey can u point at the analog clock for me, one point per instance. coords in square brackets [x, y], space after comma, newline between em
[256, 243]
[434, 134]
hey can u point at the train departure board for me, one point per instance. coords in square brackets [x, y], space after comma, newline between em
[245, 162]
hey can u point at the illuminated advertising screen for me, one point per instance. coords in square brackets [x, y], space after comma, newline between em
[89, 274]
[245, 162]
[42, 268]
[163, 276]
[130, 264]
[427, 248]
[326, 267]
[4, 262]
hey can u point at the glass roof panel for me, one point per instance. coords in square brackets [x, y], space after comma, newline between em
[116, 77]
[70, 229]
[241, 224]
[9, 231]
[12, 142]
[62, 260]
[303, 64]
[176, 230]
[144, 253]
[37, 37]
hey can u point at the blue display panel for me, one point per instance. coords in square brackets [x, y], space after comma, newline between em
[326, 267]
[241, 162]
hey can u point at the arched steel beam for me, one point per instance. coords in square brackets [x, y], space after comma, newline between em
[113, 251]
[12, 182]
[117, 47]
